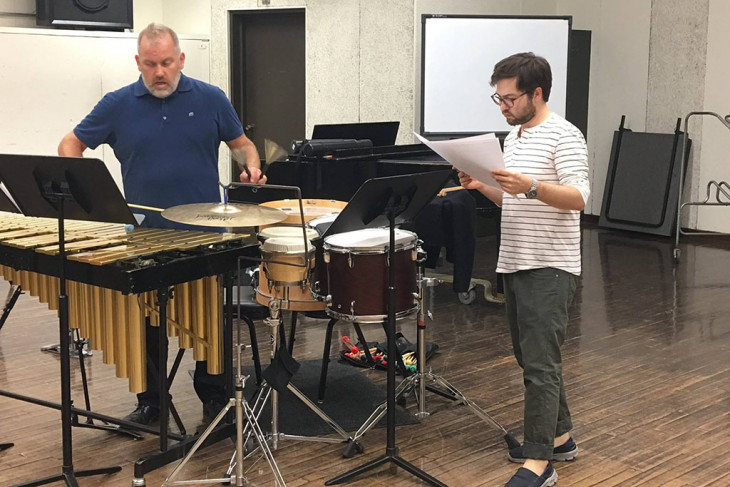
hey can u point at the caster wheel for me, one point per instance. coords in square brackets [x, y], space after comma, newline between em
[468, 297]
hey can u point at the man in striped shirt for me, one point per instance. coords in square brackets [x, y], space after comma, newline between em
[542, 191]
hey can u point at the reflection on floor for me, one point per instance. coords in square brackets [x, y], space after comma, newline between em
[646, 366]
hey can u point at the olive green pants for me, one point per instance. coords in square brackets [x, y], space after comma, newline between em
[537, 302]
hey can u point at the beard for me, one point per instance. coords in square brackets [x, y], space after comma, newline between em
[163, 92]
[525, 116]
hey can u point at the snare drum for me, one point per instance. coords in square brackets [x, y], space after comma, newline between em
[358, 269]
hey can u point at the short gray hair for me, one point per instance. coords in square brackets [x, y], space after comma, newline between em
[156, 31]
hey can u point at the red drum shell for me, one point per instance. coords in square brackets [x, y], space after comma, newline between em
[358, 274]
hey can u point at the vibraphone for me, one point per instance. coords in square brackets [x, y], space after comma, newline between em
[112, 278]
[115, 279]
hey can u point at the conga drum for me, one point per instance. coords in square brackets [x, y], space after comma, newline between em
[358, 269]
[300, 295]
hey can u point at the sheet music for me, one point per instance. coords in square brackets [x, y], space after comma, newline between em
[477, 156]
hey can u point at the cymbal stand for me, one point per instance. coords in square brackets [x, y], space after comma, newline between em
[244, 415]
[274, 321]
[423, 380]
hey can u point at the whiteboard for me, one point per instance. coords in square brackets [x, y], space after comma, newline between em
[50, 80]
[458, 57]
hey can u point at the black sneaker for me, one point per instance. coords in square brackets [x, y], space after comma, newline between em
[528, 478]
[564, 453]
[143, 415]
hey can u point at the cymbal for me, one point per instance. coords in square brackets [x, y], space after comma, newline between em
[224, 215]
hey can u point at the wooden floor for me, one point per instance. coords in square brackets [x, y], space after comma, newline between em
[647, 367]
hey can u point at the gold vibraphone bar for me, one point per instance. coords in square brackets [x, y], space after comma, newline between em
[113, 320]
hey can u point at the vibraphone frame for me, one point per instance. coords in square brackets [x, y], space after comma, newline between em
[159, 272]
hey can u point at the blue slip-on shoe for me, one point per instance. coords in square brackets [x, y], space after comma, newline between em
[564, 453]
[528, 478]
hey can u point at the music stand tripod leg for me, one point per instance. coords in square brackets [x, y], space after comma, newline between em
[13, 293]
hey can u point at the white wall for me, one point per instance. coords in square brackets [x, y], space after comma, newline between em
[17, 13]
[363, 64]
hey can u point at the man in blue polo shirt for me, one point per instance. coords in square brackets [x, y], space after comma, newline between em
[165, 130]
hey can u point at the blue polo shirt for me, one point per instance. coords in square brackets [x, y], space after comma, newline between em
[167, 147]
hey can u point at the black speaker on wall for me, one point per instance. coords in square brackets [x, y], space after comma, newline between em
[110, 15]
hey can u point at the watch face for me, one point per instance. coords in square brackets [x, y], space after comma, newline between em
[532, 193]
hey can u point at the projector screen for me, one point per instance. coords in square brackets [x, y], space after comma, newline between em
[458, 57]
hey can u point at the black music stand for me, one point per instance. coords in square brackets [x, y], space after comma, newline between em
[64, 187]
[7, 205]
[393, 200]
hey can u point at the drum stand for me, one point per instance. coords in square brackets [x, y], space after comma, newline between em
[394, 206]
[251, 421]
[423, 380]
[274, 321]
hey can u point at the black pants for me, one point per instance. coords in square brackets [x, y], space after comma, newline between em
[207, 386]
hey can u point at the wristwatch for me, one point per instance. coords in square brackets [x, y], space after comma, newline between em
[532, 193]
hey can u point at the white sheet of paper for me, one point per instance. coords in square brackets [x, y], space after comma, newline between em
[477, 156]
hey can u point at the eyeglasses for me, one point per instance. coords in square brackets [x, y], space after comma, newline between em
[509, 102]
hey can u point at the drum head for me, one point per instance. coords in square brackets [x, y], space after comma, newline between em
[372, 239]
[290, 232]
[322, 223]
[284, 245]
[312, 208]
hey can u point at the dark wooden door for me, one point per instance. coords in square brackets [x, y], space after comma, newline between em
[268, 82]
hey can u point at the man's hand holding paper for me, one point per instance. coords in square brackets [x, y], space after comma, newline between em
[476, 156]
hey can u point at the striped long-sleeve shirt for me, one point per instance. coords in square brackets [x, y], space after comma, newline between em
[534, 234]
